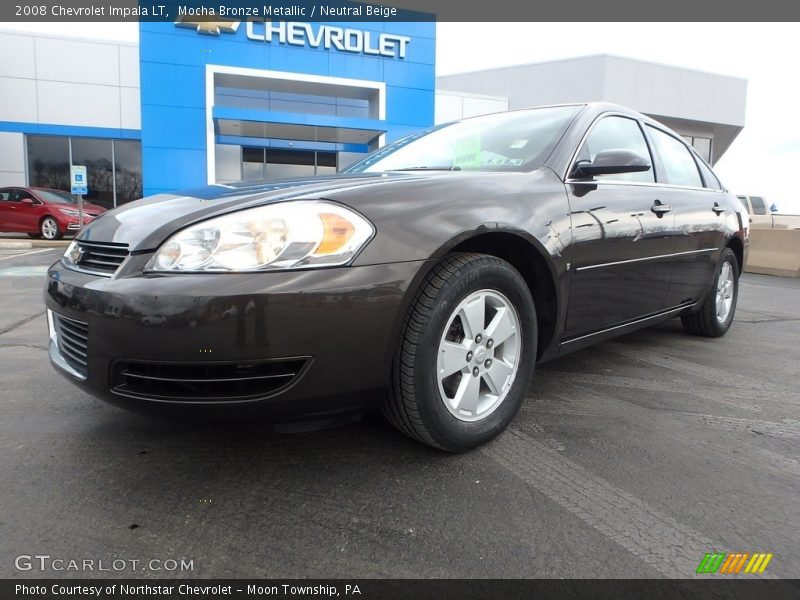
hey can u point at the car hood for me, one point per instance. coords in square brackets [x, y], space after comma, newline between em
[87, 206]
[145, 224]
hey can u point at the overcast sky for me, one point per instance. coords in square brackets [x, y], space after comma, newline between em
[761, 160]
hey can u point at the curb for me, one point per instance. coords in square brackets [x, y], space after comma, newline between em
[50, 243]
[16, 245]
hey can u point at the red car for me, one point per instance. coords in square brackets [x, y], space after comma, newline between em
[42, 212]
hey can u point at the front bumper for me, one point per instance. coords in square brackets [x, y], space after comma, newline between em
[338, 324]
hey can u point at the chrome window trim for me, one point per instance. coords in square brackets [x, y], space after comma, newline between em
[643, 259]
[642, 183]
[567, 180]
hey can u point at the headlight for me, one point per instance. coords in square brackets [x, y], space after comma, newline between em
[288, 235]
[69, 212]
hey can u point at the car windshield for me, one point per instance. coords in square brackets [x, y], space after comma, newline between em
[55, 197]
[512, 141]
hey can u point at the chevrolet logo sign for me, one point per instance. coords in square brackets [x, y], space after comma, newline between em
[209, 27]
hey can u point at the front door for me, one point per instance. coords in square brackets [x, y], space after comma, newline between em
[622, 237]
[29, 209]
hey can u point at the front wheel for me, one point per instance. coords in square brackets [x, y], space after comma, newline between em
[716, 313]
[466, 354]
[50, 229]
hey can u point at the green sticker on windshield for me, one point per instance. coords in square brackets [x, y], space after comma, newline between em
[467, 153]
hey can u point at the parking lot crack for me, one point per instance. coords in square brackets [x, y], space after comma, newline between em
[668, 546]
[20, 323]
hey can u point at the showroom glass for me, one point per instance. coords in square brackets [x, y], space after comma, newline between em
[276, 163]
[48, 162]
[128, 170]
[617, 133]
[95, 155]
[679, 165]
[113, 167]
[512, 141]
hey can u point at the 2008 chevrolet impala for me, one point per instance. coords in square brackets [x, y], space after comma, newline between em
[429, 277]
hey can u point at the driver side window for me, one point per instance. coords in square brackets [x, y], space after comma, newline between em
[617, 133]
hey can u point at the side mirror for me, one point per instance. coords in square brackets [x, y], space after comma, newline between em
[28, 201]
[610, 162]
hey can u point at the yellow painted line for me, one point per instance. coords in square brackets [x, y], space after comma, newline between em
[765, 563]
[758, 558]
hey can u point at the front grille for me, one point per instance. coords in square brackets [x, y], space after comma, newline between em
[71, 339]
[103, 258]
[197, 382]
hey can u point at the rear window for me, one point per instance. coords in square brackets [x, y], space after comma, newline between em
[710, 180]
[679, 165]
[743, 200]
[759, 206]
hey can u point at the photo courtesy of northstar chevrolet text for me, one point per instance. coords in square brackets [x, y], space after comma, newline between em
[392, 299]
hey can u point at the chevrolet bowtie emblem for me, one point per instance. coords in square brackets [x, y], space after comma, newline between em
[208, 27]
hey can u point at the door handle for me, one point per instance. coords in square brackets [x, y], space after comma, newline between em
[660, 209]
[718, 209]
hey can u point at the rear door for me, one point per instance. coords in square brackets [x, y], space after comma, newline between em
[699, 215]
[9, 220]
[621, 237]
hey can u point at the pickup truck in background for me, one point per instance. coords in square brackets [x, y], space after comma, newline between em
[762, 218]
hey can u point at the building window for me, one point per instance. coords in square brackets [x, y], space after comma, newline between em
[275, 163]
[48, 162]
[128, 170]
[96, 155]
[113, 167]
[701, 144]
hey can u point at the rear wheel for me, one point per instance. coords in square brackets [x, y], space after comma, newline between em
[466, 355]
[716, 314]
[50, 229]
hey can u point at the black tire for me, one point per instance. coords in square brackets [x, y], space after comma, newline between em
[704, 321]
[58, 233]
[413, 403]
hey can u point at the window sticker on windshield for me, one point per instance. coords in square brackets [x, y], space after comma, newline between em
[467, 153]
[516, 144]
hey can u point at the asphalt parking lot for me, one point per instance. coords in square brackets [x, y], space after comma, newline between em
[630, 459]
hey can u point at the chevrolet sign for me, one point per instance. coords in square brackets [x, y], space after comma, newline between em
[308, 34]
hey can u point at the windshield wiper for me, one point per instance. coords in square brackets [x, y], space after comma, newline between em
[424, 168]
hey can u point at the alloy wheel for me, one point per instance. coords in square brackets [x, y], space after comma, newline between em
[49, 229]
[725, 285]
[479, 355]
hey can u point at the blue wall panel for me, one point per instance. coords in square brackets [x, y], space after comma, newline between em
[172, 70]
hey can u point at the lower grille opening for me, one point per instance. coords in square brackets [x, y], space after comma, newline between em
[205, 381]
[71, 339]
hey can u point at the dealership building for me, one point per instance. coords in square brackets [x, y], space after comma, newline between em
[203, 102]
